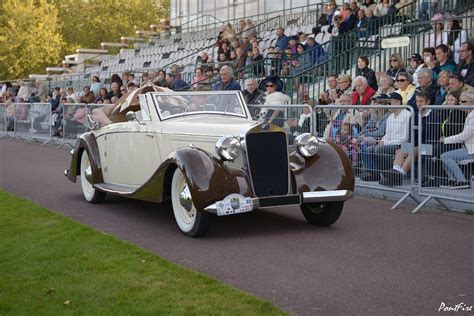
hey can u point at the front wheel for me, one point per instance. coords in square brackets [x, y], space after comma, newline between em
[322, 214]
[193, 223]
[90, 194]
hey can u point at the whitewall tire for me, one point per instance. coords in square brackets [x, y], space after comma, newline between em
[190, 221]
[90, 194]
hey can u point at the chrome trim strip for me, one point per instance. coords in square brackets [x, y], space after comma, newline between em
[327, 196]
[308, 197]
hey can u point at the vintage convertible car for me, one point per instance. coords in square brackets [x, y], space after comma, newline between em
[203, 151]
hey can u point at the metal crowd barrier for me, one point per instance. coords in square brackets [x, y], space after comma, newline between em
[3, 119]
[73, 124]
[41, 122]
[295, 118]
[27, 121]
[379, 141]
[446, 169]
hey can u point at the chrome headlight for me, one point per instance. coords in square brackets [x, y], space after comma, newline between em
[307, 144]
[228, 147]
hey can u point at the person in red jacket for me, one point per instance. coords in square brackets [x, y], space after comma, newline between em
[362, 93]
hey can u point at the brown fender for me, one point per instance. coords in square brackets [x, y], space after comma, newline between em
[208, 178]
[86, 142]
[329, 169]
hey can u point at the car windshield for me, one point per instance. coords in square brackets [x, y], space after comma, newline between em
[178, 104]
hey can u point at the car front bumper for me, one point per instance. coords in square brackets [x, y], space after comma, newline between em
[294, 199]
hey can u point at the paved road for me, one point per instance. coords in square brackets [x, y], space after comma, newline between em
[372, 261]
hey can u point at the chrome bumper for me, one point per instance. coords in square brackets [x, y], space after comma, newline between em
[295, 199]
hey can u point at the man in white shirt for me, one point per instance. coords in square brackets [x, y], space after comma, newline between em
[396, 132]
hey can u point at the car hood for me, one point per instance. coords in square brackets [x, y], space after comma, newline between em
[207, 125]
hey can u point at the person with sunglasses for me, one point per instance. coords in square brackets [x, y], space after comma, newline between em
[450, 159]
[274, 97]
[396, 66]
[405, 87]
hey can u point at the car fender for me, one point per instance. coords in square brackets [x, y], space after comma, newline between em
[209, 178]
[328, 169]
[87, 142]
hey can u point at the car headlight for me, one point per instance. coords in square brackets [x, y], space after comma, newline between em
[228, 147]
[307, 144]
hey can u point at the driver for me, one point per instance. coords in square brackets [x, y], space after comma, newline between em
[197, 103]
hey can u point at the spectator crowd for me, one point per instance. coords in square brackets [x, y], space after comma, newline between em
[441, 74]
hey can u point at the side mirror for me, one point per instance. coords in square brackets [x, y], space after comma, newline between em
[131, 116]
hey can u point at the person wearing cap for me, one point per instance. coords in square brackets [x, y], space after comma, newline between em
[174, 83]
[397, 132]
[415, 64]
[403, 161]
[466, 66]
[374, 129]
[437, 35]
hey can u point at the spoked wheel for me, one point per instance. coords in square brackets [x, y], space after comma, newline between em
[193, 223]
[322, 214]
[90, 194]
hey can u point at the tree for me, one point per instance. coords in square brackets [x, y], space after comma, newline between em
[87, 23]
[29, 40]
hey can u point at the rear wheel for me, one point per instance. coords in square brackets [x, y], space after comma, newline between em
[90, 194]
[322, 214]
[193, 223]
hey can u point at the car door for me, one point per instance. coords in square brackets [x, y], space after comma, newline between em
[129, 152]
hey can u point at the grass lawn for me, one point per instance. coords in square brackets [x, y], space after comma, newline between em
[50, 264]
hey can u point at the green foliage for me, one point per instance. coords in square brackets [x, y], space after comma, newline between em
[39, 33]
[88, 23]
[51, 265]
[29, 40]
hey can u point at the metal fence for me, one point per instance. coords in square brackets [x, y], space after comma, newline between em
[446, 154]
[379, 141]
[3, 119]
[388, 150]
[295, 118]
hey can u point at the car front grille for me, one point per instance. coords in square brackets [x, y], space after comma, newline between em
[268, 163]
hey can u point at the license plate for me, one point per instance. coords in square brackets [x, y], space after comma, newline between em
[234, 204]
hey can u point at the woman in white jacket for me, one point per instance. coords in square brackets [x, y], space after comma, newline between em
[457, 179]
[272, 87]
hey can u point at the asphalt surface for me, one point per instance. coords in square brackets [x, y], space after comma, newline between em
[372, 261]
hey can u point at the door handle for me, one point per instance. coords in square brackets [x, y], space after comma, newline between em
[150, 135]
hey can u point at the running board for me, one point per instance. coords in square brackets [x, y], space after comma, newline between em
[119, 189]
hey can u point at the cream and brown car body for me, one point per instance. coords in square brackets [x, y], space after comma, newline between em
[138, 158]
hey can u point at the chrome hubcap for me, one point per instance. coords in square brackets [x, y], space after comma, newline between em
[185, 198]
[88, 174]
